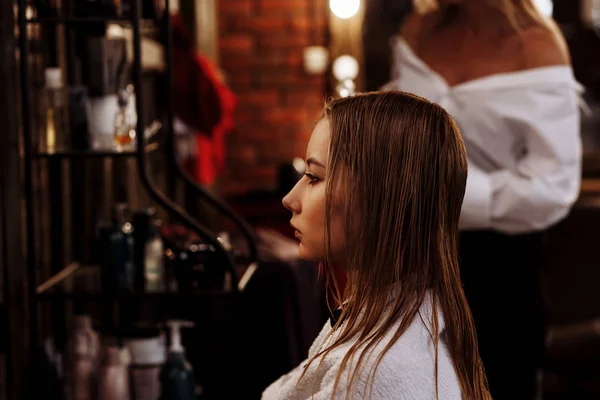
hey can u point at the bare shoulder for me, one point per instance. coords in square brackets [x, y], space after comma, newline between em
[545, 46]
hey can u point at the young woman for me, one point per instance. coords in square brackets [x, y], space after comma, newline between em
[501, 69]
[385, 179]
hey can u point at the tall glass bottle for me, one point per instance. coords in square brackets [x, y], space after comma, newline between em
[125, 121]
[55, 133]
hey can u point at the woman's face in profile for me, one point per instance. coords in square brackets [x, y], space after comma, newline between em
[307, 201]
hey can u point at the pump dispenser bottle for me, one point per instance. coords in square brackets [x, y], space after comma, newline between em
[177, 376]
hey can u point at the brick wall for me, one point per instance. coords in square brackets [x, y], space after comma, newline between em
[261, 43]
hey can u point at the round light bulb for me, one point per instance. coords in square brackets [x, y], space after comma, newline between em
[346, 88]
[345, 67]
[545, 7]
[344, 8]
[315, 59]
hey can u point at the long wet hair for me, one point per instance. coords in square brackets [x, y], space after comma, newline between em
[399, 164]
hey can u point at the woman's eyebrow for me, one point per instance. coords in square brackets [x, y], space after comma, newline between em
[314, 161]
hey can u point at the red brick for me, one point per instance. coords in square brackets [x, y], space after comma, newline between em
[230, 188]
[269, 172]
[291, 58]
[256, 171]
[313, 80]
[292, 6]
[237, 43]
[235, 62]
[245, 117]
[266, 96]
[283, 41]
[226, 25]
[301, 25]
[313, 117]
[238, 63]
[244, 153]
[311, 97]
[240, 187]
[276, 61]
[255, 134]
[238, 79]
[264, 24]
[294, 59]
[276, 154]
[278, 103]
[278, 79]
[299, 148]
[285, 78]
[283, 115]
[273, 133]
[242, 7]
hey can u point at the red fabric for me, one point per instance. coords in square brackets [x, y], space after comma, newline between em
[203, 102]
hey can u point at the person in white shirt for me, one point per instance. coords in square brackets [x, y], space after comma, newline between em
[502, 71]
[384, 182]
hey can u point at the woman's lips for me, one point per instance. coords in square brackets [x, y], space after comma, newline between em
[297, 233]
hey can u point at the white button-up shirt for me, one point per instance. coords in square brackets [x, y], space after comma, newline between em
[522, 134]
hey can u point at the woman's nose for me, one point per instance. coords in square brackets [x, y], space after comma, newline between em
[291, 202]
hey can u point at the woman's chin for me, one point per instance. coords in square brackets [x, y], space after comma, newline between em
[307, 254]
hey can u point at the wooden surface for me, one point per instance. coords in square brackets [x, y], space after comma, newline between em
[590, 186]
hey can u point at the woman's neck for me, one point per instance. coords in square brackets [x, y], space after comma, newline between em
[480, 13]
[476, 17]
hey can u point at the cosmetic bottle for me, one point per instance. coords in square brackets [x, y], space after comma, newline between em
[177, 375]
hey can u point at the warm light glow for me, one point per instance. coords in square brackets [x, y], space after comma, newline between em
[316, 59]
[299, 165]
[346, 88]
[545, 7]
[345, 67]
[344, 8]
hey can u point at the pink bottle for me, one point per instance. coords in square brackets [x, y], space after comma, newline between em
[82, 359]
[113, 379]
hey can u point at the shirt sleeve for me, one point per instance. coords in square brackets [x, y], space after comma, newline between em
[545, 183]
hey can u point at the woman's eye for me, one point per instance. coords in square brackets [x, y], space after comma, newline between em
[311, 178]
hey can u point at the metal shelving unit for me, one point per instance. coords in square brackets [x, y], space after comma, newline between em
[48, 291]
[53, 290]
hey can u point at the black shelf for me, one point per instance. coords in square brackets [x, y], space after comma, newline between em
[60, 294]
[94, 153]
[77, 282]
[124, 297]
[81, 20]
